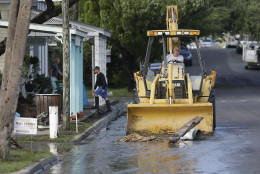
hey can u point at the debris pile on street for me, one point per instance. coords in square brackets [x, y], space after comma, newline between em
[134, 137]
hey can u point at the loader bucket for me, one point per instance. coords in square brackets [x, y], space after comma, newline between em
[146, 119]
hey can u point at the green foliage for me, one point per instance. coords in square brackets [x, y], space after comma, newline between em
[30, 67]
[89, 12]
[43, 83]
[216, 17]
[129, 21]
[246, 18]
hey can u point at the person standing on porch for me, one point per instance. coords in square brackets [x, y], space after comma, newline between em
[54, 71]
[101, 90]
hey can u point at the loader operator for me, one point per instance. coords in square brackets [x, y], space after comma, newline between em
[101, 90]
[174, 58]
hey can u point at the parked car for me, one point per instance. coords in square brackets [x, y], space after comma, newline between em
[251, 55]
[241, 43]
[206, 43]
[192, 46]
[187, 55]
[244, 39]
[217, 43]
[239, 46]
[155, 67]
[231, 41]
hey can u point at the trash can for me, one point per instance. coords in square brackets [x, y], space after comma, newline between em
[43, 101]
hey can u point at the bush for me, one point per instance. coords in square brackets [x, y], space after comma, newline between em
[30, 67]
[43, 84]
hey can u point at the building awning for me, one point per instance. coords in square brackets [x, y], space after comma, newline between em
[46, 29]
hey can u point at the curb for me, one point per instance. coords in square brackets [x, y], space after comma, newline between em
[93, 114]
[37, 167]
[97, 126]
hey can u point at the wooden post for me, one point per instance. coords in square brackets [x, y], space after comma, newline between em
[75, 9]
[66, 64]
[184, 129]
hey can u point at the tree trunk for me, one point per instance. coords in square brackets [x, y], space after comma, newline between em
[10, 34]
[11, 92]
[66, 64]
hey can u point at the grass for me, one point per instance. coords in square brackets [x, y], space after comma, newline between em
[64, 148]
[21, 158]
[64, 136]
[120, 92]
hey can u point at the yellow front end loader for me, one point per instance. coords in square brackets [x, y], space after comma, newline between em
[172, 98]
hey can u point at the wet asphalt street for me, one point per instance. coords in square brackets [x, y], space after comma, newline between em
[234, 148]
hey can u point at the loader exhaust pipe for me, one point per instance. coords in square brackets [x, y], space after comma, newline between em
[170, 83]
[164, 51]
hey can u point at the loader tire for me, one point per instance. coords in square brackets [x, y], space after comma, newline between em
[212, 100]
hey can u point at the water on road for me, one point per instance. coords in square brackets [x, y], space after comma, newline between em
[104, 154]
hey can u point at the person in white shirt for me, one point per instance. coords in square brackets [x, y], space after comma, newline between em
[175, 57]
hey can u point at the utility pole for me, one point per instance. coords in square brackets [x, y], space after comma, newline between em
[66, 64]
[75, 9]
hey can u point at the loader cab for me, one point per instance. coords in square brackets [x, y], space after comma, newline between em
[181, 79]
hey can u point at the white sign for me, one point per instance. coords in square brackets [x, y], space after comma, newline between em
[25, 126]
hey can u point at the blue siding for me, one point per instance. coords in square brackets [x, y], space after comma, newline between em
[76, 77]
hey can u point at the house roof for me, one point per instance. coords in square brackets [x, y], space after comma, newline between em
[46, 28]
[90, 29]
[4, 1]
